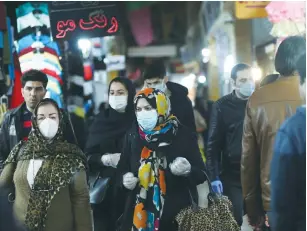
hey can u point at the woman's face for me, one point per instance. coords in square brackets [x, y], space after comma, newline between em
[47, 111]
[143, 105]
[118, 89]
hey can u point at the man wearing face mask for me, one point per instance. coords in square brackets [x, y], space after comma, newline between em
[225, 138]
[155, 77]
[17, 124]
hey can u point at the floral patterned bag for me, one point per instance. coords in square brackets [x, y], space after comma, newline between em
[217, 217]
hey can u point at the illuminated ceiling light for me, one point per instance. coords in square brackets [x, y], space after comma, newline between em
[205, 52]
[202, 79]
[85, 47]
[84, 44]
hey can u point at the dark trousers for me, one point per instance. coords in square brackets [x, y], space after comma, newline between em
[233, 190]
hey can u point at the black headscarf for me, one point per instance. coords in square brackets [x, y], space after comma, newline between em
[110, 124]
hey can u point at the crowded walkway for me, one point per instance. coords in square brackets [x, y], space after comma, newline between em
[92, 140]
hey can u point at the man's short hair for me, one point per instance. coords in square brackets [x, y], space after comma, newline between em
[288, 53]
[301, 68]
[34, 75]
[155, 70]
[237, 68]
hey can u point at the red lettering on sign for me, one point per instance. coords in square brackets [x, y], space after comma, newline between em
[63, 27]
[114, 26]
[97, 21]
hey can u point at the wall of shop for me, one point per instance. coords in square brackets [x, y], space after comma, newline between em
[263, 45]
[243, 32]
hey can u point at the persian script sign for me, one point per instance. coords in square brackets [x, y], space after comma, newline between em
[83, 19]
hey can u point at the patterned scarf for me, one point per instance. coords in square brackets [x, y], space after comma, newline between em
[61, 161]
[151, 196]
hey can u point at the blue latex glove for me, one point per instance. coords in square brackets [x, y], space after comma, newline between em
[217, 186]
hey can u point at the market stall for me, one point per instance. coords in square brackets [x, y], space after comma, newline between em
[36, 49]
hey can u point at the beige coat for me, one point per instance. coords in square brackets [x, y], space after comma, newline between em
[70, 209]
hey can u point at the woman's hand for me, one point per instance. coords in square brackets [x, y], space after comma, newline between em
[110, 160]
[130, 181]
[180, 167]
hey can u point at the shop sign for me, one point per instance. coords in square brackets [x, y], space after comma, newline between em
[251, 9]
[87, 19]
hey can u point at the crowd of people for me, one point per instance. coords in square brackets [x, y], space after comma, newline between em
[142, 162]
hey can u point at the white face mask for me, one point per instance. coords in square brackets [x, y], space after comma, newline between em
[147, 119]
[118, 103]
[160, 86]
[247, 89]
[48, 127]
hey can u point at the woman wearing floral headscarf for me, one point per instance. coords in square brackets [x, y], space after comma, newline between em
[159, 167]
[49, 176]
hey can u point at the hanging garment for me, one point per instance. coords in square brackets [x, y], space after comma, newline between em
[56, 97]
[53, 74]
[28, 41]
[54, 85]
[32, 30]
[88, 71]
[32, 21]
[1, 39]
[41, 50]
[17, 98]
[7, 44]
[27, 8]
[38, 64]
[46, 57]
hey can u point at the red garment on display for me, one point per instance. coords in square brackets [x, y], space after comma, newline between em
[53, 74]
[88, 72]
[17, 98]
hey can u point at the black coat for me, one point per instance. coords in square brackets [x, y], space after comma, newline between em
[225, 137]
[11, 127]
[181, 105]
[177, 194]
[106, 213]
[106, 136]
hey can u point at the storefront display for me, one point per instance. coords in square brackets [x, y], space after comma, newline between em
[36, 49]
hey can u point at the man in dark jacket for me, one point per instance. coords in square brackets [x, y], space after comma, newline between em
[288, 168]
[225, 138]
[181, 105]
[17, 124]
